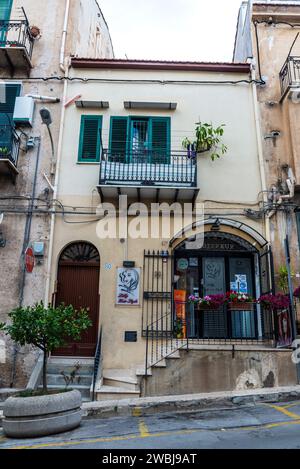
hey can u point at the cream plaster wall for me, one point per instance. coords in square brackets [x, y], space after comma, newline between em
[235, 179]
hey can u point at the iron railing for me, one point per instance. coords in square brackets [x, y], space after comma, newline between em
[148, 168]
[97, 365]
[290, 74]
[16, 33]
[218, 326]
[9, 144]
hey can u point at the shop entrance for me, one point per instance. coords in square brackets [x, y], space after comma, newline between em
[224, 262]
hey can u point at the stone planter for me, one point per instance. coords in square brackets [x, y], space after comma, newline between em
[27, 417]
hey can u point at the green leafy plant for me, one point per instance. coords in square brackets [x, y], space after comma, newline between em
[178, 328]
[46, 328]
[283, 279]
[4, 151]
[207, 137]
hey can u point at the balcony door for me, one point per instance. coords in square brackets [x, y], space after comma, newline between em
[140, 140]
[5, 11]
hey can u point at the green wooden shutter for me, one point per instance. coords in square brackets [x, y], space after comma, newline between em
[90, 139]
[118, 139]
[7, 105]
[160, 140]
[5, 10]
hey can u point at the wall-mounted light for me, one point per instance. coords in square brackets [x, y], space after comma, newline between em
[216, 225]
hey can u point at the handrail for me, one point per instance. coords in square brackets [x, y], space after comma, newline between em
[97, 364]
[16, 33]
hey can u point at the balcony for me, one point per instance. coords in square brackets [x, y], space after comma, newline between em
[9, 151]
[148, 176]
[16, 45]
[290, 76]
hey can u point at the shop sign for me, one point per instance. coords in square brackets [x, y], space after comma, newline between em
[182, 264]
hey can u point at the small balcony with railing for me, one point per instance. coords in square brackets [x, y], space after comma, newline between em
[148, 175]
[9, 151]
[16, 44]
[290, 76]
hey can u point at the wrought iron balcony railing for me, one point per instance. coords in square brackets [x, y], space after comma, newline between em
[289, 74]
[148, 168]
[16, 33]
[9, 144]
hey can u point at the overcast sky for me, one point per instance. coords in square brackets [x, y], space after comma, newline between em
[172, 29]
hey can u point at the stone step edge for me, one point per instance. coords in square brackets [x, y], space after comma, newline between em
[189, 402]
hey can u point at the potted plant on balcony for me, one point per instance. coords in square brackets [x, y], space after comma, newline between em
[208, 302]
[274, 302]
[40, 413]
[4, 151]
[207, 138]
[239, 301]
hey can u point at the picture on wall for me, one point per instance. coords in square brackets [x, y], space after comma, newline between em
[128, 286]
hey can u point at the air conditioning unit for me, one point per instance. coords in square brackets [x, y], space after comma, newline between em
[23, 112]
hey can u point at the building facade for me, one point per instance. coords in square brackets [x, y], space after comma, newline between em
[267, 33]
[135, 265]
[35, 49]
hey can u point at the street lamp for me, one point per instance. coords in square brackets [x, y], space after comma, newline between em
[47, 120]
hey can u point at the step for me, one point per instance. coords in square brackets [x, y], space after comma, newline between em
[140, 371]
[84, 390]
[56, 368]
[112, 393]
[58, 379]
[121, 378]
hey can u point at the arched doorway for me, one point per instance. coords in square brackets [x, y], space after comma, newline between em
[211, 264]
[78, 285]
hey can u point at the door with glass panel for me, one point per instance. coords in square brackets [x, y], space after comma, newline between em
[214, 323]
[139, 146]
[243, 323]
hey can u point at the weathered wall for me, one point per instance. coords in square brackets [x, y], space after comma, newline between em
[274, 43]
[218, 370]
[84, 16]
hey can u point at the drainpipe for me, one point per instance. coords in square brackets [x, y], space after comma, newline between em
[260, 151]
[64, 37]
[56, 183]
[64, 65]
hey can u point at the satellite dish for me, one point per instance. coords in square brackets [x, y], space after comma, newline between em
[1, 217]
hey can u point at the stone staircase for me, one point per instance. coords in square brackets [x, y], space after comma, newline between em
[82, 380]
[126, 383]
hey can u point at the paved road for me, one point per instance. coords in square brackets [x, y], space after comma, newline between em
[255, 426]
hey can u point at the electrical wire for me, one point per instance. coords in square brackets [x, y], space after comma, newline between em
[135, 81]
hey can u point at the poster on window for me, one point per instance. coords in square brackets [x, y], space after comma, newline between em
[128, 286]
[284, 328]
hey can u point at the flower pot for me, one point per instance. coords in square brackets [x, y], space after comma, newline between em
[35, 31]
[208, 308]
[203, 149]
[240, 306]
[28, 417]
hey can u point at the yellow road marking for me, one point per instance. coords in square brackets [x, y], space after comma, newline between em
[144, 432]
[149, 435]
[285, 411]
[136, 412]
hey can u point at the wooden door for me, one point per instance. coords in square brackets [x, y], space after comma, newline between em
[78, 285]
